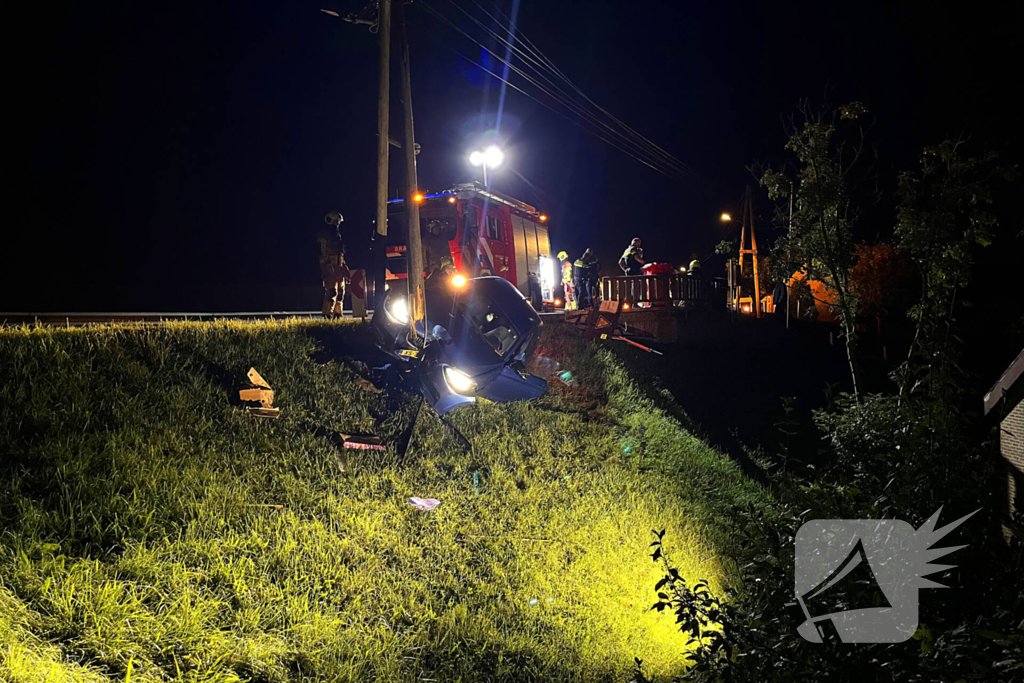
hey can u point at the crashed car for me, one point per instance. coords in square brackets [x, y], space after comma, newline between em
[478, 335]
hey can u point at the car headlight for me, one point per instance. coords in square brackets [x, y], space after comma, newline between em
[458, 381]
[398, 311]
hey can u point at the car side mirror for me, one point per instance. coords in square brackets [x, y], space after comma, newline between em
[442, 334]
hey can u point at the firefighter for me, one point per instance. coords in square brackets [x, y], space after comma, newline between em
[441, 275]
[584, 272]
[694, 265]
[570, 300]
[593, 276]
[333, 270]
[632, 261]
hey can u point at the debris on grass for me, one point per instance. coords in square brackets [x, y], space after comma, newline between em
[259, 391]
[367, 385]
[566, 378]
[364, 442]
[425, 504]
[542, 366]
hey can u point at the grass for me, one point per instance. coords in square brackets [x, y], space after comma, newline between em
[150, 530]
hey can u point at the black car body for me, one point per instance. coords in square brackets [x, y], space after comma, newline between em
[476, 340]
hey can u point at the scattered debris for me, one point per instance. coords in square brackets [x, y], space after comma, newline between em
[367, 385]
[259, 391]
[476, 484]
[542, 366]
[535, 601]
[566, 378]
[424, 503]
[366, 442]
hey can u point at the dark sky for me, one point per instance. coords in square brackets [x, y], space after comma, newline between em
[180, 156]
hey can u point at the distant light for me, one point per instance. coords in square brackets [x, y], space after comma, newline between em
[625, 307]
[726, 217]
[459, 280]
[543, 217]
[451, 200]
[492, 156]
[682, 269]
[417, 197]
[476, 158]
[558, 302]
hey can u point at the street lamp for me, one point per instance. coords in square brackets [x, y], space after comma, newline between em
[726, 218]
[488, 158]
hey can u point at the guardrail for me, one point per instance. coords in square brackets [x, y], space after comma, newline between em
[663, 289]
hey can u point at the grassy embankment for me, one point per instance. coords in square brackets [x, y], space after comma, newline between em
[139, 538]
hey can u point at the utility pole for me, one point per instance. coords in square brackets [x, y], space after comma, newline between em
[753, 250]
[748, 219]
[417, 301]
[383, 120]
[382, 23]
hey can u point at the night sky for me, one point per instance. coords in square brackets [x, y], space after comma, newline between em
[181, 156]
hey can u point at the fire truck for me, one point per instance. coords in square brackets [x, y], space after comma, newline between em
[478, 232]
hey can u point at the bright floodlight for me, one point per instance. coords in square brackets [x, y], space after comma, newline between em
[493, 156]
[726, 217]
[476, 158]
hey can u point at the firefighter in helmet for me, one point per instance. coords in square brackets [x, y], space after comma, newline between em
[632, 261]
[333, 270]
[570, 300]
[694, 265]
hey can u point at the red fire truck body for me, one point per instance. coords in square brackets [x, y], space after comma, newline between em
[479, 232]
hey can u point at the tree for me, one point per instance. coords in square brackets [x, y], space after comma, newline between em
[831, 152]
[943, 218]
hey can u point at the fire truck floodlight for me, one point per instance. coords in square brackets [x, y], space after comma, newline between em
[493, 156]
[459, 280]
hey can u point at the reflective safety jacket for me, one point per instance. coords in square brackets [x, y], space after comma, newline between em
[332, 249]
[567, 273]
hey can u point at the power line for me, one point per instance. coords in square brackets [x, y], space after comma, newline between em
[526, 41]
[623, 144]
[650, 149]
[546, 105]
[569, 105]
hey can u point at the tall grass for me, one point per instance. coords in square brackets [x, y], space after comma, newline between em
[150, 530]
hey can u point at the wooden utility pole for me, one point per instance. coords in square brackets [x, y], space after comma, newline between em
[748, 219]
[753, 251]
[383, 135]
[417, 301]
